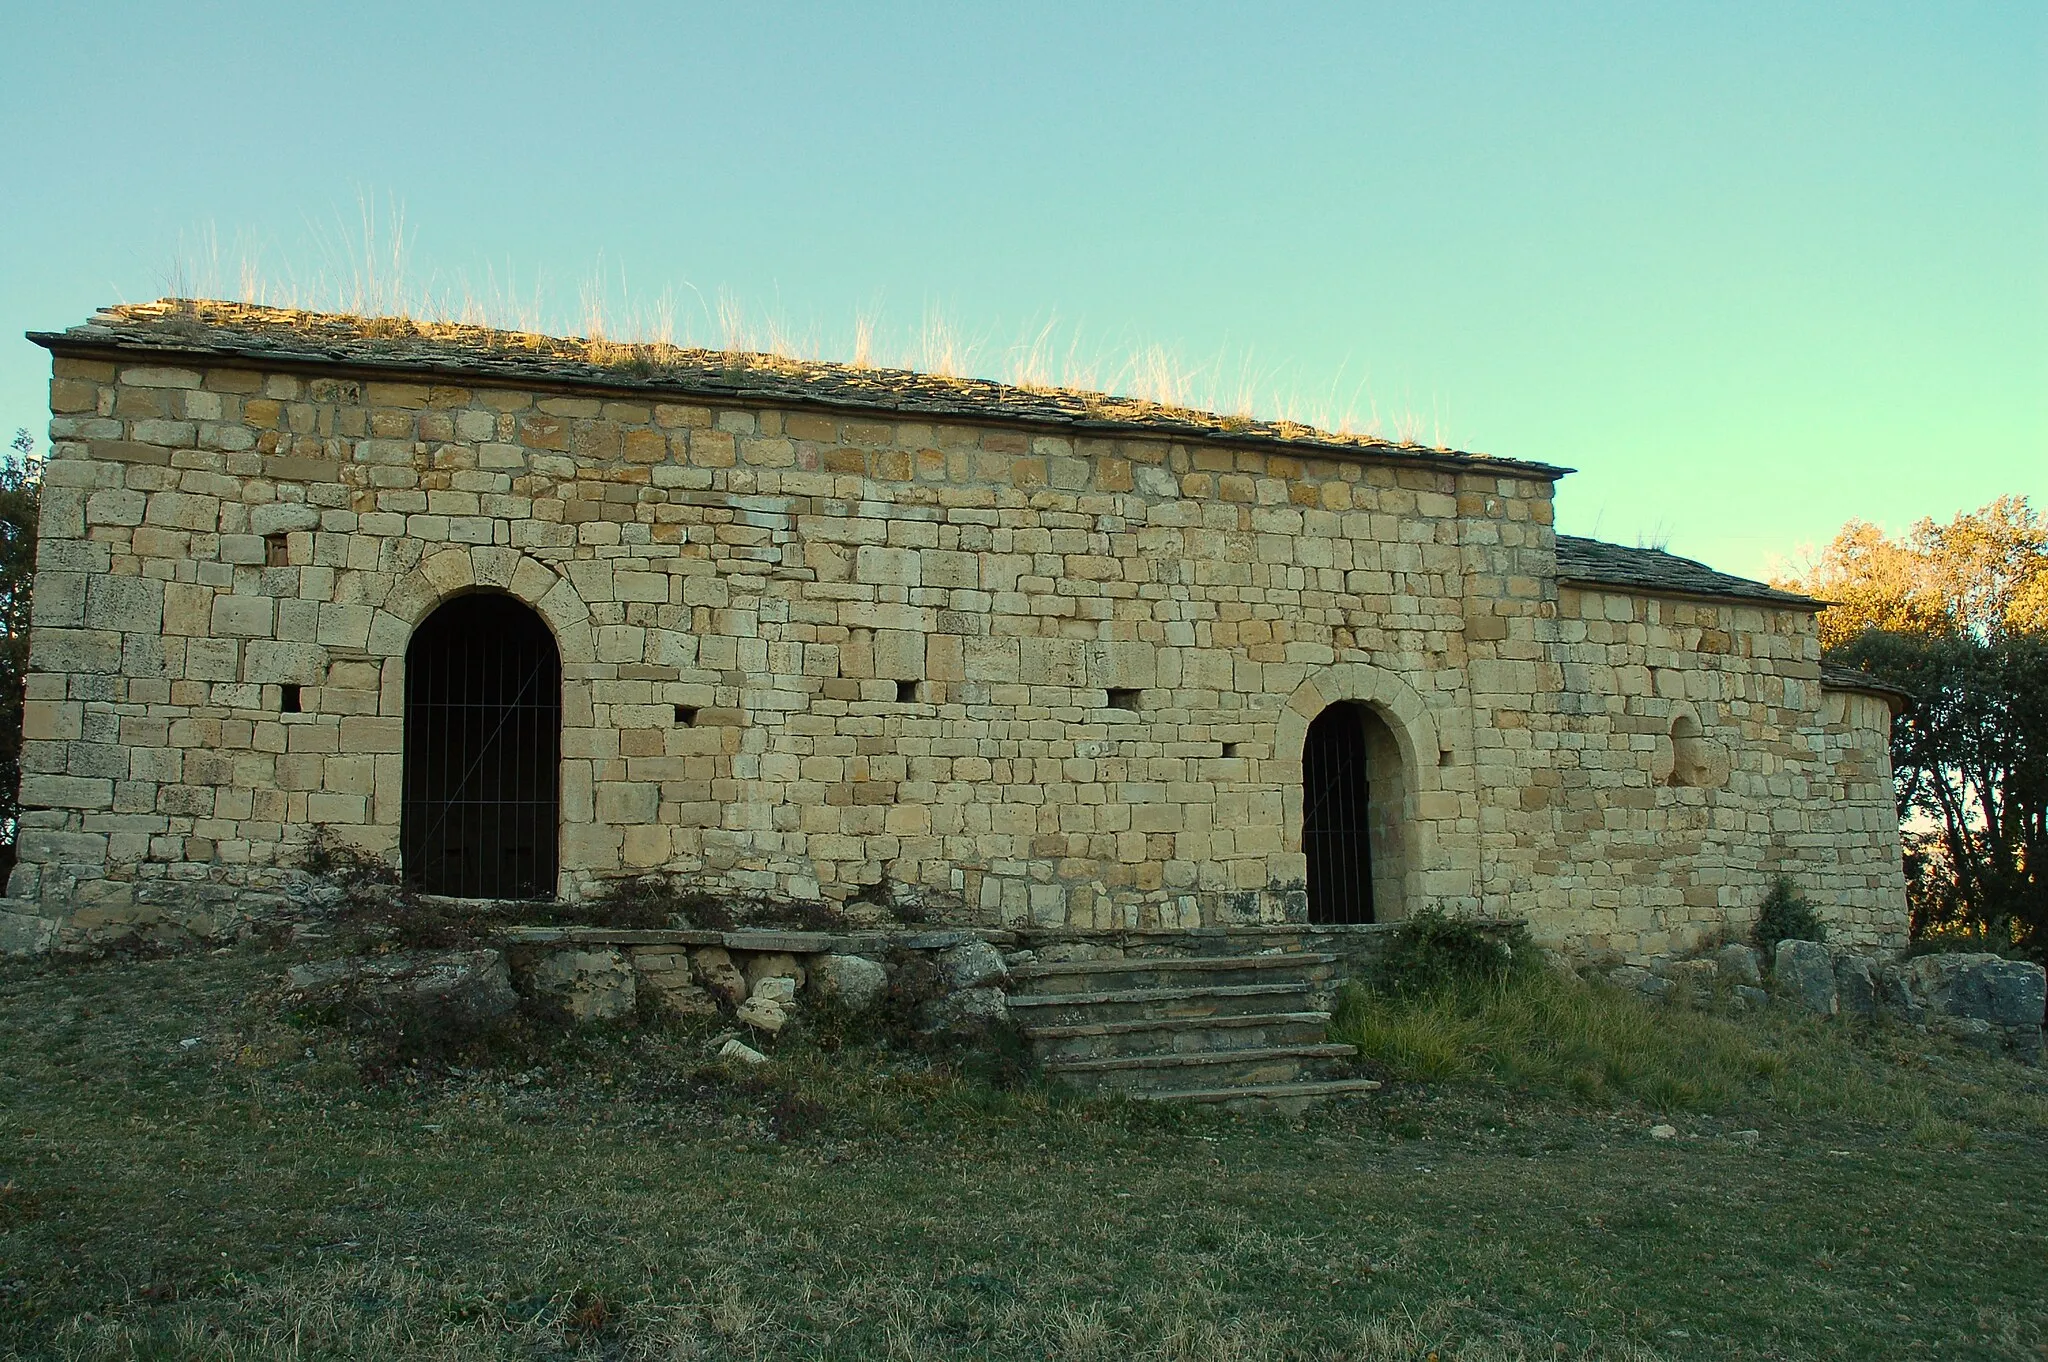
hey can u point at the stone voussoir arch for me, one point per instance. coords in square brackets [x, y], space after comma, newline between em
[1406, 716]
[453, 571]
[1397, 702]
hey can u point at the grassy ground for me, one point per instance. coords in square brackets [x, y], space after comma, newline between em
[181, 1175]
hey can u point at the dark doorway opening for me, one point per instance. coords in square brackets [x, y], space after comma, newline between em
[483, 738]
[1336, 816]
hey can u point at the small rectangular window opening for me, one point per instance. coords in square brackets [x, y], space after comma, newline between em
[906, 692]
[277, 551]
[1230, 749]
[288, 699]
[686, 716]
[1123, 698]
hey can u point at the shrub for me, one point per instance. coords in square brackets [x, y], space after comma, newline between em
[1433, 950]
[1786, 916]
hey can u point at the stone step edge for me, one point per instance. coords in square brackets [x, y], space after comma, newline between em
[1155, 995]
[1323, 1087]
[1237, 929]
[1125, 1028]
[1198, 1058]
[853, 941]
[1192, 964]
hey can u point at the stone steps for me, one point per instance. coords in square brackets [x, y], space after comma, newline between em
[1124, 975]
[1178, 1035]
[1212, 1027]
[1208, 1068]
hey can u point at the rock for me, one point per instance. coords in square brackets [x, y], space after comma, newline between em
[969, 1011]
[588, 985]
[1804, 973]
[1895, 995]
[771, 965]
[763, 1014]
[1663, 1132]
[1930, 977]
[1629, 976]
[774, 988]
[1698, 975]
[718, 975]
[466, 985]
[1751, 996]
[2002, 992]
[1739, 964]
[850, 982]
[1856, 985]
[741, 1051]
[971, 964]
[665, 979]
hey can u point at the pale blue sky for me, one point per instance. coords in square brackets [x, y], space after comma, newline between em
[1753, 270]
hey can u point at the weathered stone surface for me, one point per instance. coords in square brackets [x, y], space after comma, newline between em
[774, 988]
[1750, 996]
[466, 985]
[1803, 972]
[965, 1012]
[2002, 992]
[588, 985]
[772, 965]
[718, 975]
[1739, 964]
[971, 964]
[740, 1052]
[851, 982]
[1855, 985]
[25, 933]
[763, 1014]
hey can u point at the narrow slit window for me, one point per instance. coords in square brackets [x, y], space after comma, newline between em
[289, 700]
[906, 692]
[1123, 698]
[686, 716]
[277, 550]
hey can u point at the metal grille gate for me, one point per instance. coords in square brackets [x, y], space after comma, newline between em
[1335, 812]
[483, 734]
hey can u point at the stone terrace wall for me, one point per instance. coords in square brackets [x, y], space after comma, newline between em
[1696, 758]
[781, 572]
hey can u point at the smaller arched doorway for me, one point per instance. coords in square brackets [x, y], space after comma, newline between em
[1353, 820]
[483, 740]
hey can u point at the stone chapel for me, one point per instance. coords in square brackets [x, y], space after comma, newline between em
[524, 615]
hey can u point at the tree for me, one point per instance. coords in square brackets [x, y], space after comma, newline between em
[20, 488]
[1957, 615]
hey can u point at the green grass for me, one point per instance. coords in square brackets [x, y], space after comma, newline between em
[617, 1195]
[1544, 1032]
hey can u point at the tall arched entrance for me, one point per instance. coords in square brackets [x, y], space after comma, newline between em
[1353, 817]
[483, 740]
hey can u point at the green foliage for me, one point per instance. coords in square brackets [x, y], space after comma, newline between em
[1786, 916]
[1971, 761]
[1433, 950]
[20, 497]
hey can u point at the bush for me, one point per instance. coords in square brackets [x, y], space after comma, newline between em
[1433, 950]
[1786, 916]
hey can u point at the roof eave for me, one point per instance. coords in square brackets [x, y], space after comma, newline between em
[1784, 601]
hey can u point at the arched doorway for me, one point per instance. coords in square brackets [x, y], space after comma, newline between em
[483, 739]
[1353, 817]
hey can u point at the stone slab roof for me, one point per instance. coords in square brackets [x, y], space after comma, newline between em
[200, 330]
[1837, 677]
[1597, 563]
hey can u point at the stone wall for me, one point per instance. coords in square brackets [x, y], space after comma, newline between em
[1051, 680]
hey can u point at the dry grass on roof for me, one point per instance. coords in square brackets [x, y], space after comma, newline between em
[258, 330]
